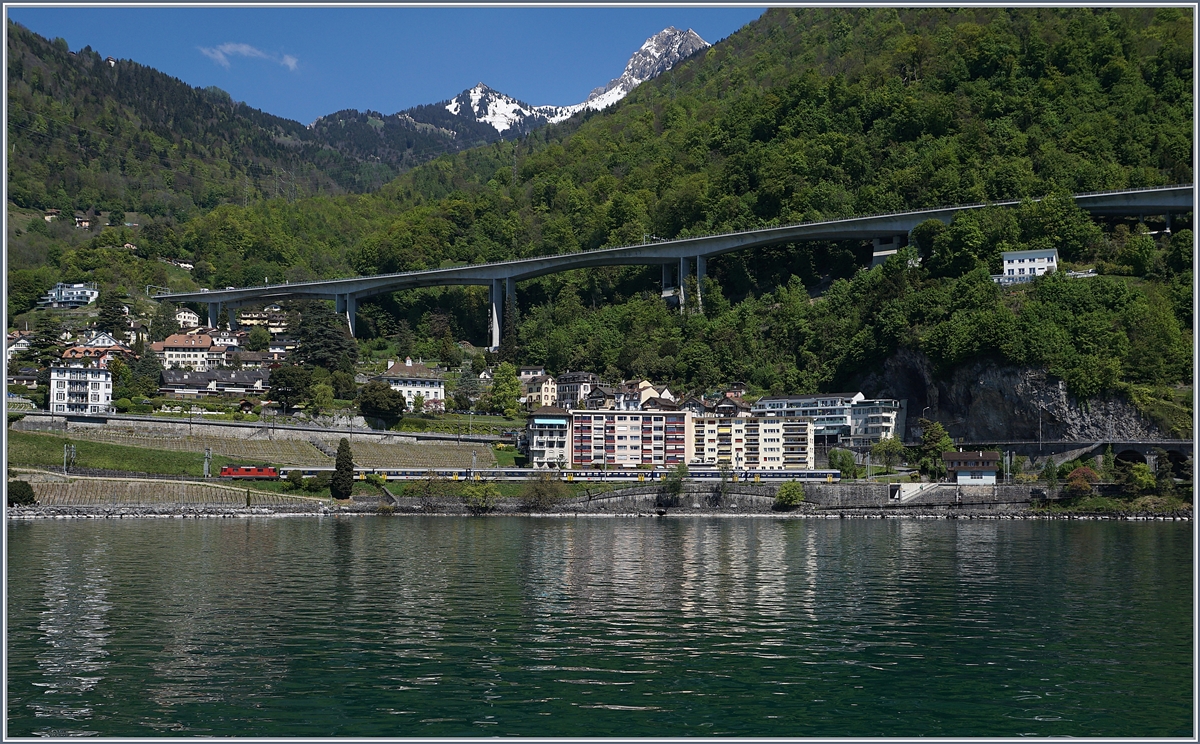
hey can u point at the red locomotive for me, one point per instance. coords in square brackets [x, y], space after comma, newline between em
[249, 471]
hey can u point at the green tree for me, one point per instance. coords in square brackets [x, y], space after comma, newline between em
[20, 493]
[506, 390]
[934, 442]
[1050, 474]
[888, 451]
[843, 461]
[481, 497]
[344, 387]
[323, 337]
[322, 398]
[164, 323]
[478, 365]
[342, 482]
[112, 313]
[45, 347]
[377, 399]
[1164, 474]
[258, 339]
[543, 493]
[289, 385]
[790, 495]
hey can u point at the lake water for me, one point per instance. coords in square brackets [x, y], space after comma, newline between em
[443, 626]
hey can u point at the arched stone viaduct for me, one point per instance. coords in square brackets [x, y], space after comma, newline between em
[887, 230]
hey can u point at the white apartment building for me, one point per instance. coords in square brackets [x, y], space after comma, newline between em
[754, 443]
[415, 379]
[1022, 266]
[79, 389]
[548, 438]
[873, 420]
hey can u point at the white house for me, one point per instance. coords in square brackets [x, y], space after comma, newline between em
[1022, 266]
[416, 379]
[79, 389]
[70, 295]
[187, 318]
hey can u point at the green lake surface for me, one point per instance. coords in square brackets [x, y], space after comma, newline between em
[447, 626]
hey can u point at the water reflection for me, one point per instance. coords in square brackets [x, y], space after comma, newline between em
[448, 627]
[74, 630]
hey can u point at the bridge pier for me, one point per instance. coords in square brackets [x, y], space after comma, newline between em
[348, 304]
[494, 319]
[701, 266]
[214, 311]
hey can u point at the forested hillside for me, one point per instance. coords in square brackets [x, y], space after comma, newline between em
[805, 114]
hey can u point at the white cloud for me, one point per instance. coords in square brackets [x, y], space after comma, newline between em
[221, 54]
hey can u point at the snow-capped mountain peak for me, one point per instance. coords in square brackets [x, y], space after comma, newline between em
[658, 54]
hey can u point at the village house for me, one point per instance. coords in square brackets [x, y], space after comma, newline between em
[413, 380]
[1023, 266]
[976, 468]
[574, 387]
[99, 350]
[187, 318]
[539, 391]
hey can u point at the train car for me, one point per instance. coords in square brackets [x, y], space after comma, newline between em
[249, 472]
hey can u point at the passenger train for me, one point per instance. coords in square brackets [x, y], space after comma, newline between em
[567, 476]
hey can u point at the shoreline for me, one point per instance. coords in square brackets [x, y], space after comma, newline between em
[183, 511]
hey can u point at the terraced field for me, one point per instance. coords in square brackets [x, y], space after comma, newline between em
[124, 493]
[274, 452]
[300, 452]
[378, 455]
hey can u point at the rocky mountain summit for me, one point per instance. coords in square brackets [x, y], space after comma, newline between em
[660, 53]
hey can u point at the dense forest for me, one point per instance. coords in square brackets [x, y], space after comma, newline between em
[804, 114]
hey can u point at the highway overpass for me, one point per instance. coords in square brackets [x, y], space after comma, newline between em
[887, 230]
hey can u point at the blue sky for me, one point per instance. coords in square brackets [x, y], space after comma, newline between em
[302, 63]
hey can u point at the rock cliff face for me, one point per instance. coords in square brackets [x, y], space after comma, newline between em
[983, 400]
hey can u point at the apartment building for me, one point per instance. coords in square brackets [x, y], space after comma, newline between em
[196, 351]
[839, 418]
[754, 443]
[548, 437]
[187, 318]
[78, 389]
[575, 386]
[618, 439]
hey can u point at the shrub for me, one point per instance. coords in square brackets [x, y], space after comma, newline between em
[295, 479]
[319, 482]
[123, 405]
[480, 498]
[20, 493]
[790, 495]
[1080, 481]
[543, 493]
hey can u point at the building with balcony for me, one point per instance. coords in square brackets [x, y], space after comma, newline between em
[1023, 266]
[197, 352]
[606, 439]
[976, 468]
[70, 295]
[574, 387]
[548, 437]
[78, 389]
[538, 391]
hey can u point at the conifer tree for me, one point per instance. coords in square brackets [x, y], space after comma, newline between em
[343, 473]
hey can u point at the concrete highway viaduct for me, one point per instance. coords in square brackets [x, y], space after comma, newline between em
[677, 257]
[1179, 451]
